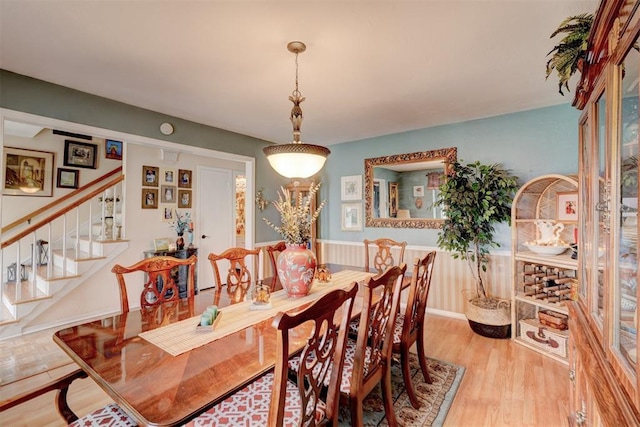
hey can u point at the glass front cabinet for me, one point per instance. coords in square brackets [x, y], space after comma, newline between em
[603, 320]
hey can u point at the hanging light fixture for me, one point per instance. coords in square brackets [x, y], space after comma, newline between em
[296, 159]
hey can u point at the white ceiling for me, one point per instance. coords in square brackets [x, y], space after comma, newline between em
[371, 67]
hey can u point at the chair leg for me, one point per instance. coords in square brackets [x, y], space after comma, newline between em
[406, 374]
[387, 397]
[423, 358]
[355, 405]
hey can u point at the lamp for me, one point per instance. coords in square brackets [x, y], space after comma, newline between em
[296, 159]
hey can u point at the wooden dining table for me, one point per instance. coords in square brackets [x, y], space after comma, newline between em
[158, 389]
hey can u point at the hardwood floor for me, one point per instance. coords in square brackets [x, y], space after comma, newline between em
[505, 384]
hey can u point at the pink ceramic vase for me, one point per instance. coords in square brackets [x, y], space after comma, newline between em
[296, 268]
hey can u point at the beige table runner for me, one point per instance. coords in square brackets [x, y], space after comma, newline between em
[180, 337]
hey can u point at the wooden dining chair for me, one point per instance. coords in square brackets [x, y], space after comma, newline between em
[274, 251]
[274, 400]
[368, 359]
[409, 326]
[238, 278]
[383, 255]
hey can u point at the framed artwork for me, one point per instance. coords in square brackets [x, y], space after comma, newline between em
[68, 178]
[149, 198]
[184, 199]
[418, 191]
[169, 176]
[113, 149]
[184, 178]
[27, 172]
[351, 187]
[161, 244]
[393, 199]
[435, 179]
[567, 205]
[80, 154]
[168, 193]
[351, 217]
[168, 213]
[150, 176]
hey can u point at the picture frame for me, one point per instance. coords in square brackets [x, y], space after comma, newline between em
[351, 217]
[161, 244]
[168, 193]
[567, 206]
[393, 199]
[80, 154]
[67, 178]
[435, 179]
[168, 213]
[184, 178]
[150, 176]
[351, 187]
[169, 176]
[113, 149]
[149, 198]
[184, 199]
[27, 172]
[418, 191]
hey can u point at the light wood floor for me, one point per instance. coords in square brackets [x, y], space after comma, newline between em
[505, 384]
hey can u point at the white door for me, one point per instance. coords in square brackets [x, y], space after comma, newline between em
[215, 230]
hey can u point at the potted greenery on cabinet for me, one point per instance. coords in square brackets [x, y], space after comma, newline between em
[474, 198]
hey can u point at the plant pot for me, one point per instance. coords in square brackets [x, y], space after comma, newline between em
[296, 269]
[489, 317]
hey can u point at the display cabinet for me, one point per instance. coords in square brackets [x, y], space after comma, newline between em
[603, 321]
[544, 226]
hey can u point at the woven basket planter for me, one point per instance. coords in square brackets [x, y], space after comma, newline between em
[489, 317]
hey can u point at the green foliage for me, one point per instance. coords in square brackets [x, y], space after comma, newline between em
[571, 50]
[474, 198]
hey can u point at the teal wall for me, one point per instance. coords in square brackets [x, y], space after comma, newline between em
[529, 143]
[25, 94]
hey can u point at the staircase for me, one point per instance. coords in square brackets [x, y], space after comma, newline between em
[59, 257]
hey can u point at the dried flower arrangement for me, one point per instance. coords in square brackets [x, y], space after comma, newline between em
[182, 223]
[295, 215]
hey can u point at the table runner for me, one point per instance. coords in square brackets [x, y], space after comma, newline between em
[180, 337]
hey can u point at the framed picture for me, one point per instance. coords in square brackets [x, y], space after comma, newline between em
[27, 172]
[80, 154]
[435, 179]
[68, 178]
[149, 198]
[393, 199]
[169, 176]
[168, 193]
[184, 199]
[161, 244]
[418, 191]
[351, 217]
[168, 213]
[567, 205]
[113, 149]
[150, 176]
[184, 178]
[351, 187]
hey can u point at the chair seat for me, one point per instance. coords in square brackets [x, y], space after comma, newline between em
[250, 406]
[108, 416]
[397, 330]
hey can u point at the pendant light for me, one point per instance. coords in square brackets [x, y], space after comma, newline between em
[296, 159]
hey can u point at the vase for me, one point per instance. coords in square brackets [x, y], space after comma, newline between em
[179, 242]
[296, 268]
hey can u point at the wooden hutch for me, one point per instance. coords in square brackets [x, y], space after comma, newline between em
[603, 320]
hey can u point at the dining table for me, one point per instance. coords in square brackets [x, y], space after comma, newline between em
[160, 385]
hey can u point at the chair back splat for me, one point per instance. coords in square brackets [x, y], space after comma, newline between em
[383, 256]
[238, 278]
[274, 251]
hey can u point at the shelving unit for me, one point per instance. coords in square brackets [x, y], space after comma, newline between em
[541, 283]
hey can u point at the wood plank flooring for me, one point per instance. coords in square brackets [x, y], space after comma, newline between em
[505, 384]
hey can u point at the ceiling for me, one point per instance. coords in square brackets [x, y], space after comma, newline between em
[371, 67]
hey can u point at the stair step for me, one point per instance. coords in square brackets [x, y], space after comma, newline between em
[57, 273]
[28, 292]
[6, 318]
[81, 256]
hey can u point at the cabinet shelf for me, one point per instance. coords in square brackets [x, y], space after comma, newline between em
[560, 261]
[560, 308]
[560, 359]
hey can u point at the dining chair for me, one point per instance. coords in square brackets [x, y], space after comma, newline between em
[409, 326]
[368, 359]
[238, 279]
[383, 256]
[160, 280]
[274, 400]
[274, 251]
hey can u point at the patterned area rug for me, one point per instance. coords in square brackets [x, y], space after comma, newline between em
[435, 398]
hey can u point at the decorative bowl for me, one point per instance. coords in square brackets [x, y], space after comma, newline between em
[547, 250]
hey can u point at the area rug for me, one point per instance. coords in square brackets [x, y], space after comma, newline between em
[435, 398]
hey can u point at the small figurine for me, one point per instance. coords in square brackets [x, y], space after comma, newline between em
[261, 293]
[323, 275]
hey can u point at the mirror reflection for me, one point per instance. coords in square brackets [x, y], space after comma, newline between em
[400, 190]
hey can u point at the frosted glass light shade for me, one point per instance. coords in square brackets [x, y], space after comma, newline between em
[296, 160]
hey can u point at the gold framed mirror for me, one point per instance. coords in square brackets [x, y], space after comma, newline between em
[400, 189]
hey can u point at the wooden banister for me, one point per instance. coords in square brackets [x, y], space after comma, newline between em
[31, 215]
[61, 212]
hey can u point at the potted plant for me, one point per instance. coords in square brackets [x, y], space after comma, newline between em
[569, 55]
[474, 198]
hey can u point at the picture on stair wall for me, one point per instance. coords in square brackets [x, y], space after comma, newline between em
[80, 154]
[27, 172]
[149, 198]
[113, 149]
[68, 178]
